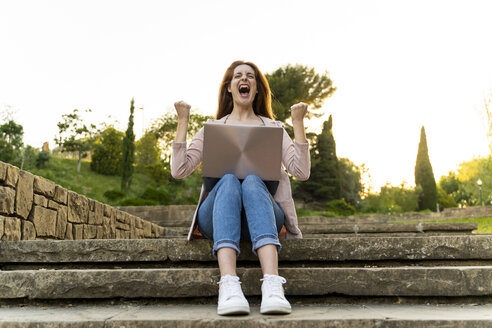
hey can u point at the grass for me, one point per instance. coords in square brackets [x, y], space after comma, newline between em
[63, 171]
[484, 223]
[301, 212]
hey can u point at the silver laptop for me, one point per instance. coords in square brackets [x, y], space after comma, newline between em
[241, 150]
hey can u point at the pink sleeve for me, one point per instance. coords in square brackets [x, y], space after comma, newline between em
[185, 160]
[296, 157]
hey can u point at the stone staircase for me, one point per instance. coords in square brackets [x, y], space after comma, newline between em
[349, 281]
[118, 268]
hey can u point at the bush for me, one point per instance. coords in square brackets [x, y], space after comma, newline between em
[42, 159]
[303, 212]
[340, 207]
[138, 202]
[160, 196]
[391, 200]
[107, 155]
[114, 194]
[445, 200]
[158, 172]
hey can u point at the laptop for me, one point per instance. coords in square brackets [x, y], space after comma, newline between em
[242, 150]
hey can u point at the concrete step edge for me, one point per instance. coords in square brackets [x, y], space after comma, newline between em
[356, 248]
[355, 316]
[201, 282]
[387, 228]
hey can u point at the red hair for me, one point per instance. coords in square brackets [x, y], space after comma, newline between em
[262, 105]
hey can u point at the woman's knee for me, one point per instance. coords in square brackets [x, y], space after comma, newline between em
[230, 183]
[252, 182]
[230, 179]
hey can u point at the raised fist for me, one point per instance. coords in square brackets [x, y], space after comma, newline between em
[182, 109]
[298, 111]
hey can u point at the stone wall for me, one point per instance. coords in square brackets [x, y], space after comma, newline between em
[32, 207]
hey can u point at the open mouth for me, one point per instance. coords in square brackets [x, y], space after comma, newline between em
[244, 90]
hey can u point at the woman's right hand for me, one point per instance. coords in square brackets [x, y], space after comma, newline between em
[183, 110]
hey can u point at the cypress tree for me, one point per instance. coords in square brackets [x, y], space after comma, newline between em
[128, 152]
[324, 183]
[424, 176]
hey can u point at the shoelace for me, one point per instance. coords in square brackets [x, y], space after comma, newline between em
[231, 284]
[275, 284]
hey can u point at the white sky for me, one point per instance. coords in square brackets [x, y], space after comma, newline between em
[397, 65]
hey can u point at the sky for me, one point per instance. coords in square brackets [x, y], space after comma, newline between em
[397, 66]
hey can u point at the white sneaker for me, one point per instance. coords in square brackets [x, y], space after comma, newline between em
[273, 299]
[231, 297]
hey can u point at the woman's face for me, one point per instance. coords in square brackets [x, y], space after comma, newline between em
[243, 85]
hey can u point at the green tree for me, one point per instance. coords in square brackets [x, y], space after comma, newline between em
[391, 199]
[453, 187]
[350, 177]
[444, 199]
[450, 183]
[29, 155]
[149, 162]
[11, 135]
[462, 184]
[42, 159]
[108, 153]
[424, 176]
[128, 152]
[75, 135]
[292, 84]
[146, 150]
[164, 129]
[324, 183]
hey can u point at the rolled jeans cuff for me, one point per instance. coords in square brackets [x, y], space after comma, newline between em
[226, 243]
[265, 240]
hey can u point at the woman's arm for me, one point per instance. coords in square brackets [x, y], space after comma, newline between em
[298, 111]
[295, 156]
[183, 111]
[185, 160]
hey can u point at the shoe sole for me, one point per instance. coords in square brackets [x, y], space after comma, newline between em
[233, 310]
[275, 310]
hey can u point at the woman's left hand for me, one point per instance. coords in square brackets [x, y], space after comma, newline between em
[298, 111]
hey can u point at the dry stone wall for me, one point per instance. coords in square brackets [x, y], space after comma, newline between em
[32, 207]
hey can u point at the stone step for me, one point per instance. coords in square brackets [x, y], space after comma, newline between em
[319, 229]
[374, 234]
[340, 316]
[355, 248]
[343, 219]
[446, 214]
[176, 232]
[442, 227]
[202, 282]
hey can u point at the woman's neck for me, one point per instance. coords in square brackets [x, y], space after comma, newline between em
[243, 115]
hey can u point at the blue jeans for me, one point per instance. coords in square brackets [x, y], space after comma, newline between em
[235, 210]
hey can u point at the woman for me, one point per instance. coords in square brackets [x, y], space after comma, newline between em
[235, 210]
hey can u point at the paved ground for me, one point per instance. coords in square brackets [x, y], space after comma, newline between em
[205, 316]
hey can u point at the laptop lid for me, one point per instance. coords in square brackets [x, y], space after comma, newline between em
[242, 150]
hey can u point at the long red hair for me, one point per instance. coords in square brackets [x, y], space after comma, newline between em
[262, 105]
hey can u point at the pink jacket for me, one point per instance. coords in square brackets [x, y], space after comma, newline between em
[295, 158]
